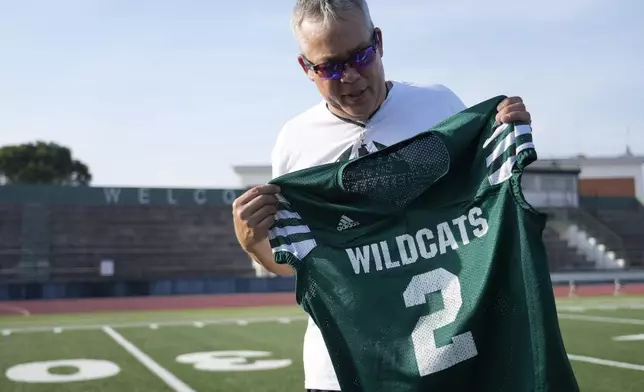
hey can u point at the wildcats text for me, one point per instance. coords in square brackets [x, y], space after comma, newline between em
[425, 243]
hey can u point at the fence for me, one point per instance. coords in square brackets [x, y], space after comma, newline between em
[183, 286]
[235, 285]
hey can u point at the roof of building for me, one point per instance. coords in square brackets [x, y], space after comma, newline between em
[551, 165]
[606, 160]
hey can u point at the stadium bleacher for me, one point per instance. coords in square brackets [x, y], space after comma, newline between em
[562, 257]
[68, 242]
[625, 217]
[148, 241]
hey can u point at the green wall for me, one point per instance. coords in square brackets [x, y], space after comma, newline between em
[27, 194]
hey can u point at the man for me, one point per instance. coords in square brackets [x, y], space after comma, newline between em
[361, 112]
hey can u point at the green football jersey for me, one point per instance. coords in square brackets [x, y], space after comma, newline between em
[423, 265]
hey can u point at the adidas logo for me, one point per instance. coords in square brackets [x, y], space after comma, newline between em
[346, 223]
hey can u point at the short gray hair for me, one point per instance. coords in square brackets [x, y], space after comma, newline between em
[326, 11]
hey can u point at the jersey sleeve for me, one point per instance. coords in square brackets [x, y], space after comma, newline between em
[290, 238]
[508, 149]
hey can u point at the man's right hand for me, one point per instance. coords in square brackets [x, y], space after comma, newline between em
[253, 214]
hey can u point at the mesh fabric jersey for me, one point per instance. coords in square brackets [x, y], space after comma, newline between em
[423, 265]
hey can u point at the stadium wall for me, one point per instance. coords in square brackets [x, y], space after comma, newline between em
[106, 196]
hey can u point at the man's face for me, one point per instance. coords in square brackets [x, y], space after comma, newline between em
[357, 92]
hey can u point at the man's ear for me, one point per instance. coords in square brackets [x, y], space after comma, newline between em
[379, 35]
[306, 70]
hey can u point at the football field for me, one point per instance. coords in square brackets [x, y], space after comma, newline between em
[258, 349]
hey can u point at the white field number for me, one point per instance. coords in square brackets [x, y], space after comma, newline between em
[40, 372]
[231, 361]
[429, 357]
[94, 369]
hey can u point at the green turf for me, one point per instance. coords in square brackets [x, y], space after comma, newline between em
[588, 324]
[282, 341]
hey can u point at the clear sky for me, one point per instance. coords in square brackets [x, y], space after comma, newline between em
[173, 93]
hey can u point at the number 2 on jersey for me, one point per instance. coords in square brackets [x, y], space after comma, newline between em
[429, 357]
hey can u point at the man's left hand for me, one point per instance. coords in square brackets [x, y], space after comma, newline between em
[513, 109]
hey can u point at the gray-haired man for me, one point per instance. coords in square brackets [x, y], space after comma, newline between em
[360, 112]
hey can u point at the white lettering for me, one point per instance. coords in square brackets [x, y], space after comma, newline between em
[445, 238]
[424, 253]
[423, 244]
[359, 258]
[403, 242]
[171, 199]
[375, 251]
[200, 197]
[144, 196]
[460, 222]
[228, 196]
[476, 220]
[385, 252]
[112, 195]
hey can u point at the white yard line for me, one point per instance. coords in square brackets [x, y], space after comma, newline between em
[606, 362]
[600, 319]
[146, 324]
[170, 379]
[629, 338]
[571, 308]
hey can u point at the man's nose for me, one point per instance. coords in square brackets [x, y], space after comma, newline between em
[350, 75]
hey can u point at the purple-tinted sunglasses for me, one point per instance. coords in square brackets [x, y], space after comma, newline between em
[335, 69]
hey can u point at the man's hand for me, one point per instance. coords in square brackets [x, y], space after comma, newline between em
[513, 109]
[254, 213]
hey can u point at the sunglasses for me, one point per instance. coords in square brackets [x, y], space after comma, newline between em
[358, 60]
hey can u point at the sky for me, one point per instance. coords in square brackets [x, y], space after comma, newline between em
[174, 93]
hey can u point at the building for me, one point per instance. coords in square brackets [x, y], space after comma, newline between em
[621, 176]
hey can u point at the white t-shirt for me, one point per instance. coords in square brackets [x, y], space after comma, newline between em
[317, 137]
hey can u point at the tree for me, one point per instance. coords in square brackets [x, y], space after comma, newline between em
[42, 163]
